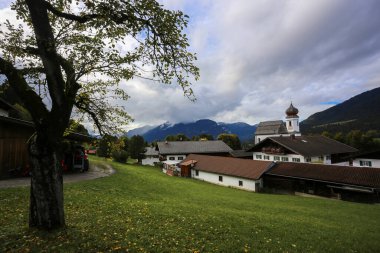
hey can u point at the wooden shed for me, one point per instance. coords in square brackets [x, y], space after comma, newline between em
[14, 134]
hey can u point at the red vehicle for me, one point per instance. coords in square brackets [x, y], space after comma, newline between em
[76, 160]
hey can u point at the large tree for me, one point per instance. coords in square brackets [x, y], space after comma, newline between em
[69, 56]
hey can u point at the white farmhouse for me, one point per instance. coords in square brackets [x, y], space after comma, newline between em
[151, 157]
[178, 150]
[171, 153]
[227, 171]
[303, 149]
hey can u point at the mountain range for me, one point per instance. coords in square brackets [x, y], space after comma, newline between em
[203, 126]
[361, 112]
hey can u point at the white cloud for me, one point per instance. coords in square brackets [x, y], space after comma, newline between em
[257, 56]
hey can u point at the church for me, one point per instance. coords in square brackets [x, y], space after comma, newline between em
[281, 141]
[278, 127]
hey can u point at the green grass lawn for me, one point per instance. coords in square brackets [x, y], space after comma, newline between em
[139, 209]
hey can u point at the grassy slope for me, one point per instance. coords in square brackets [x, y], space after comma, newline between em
[141, 209]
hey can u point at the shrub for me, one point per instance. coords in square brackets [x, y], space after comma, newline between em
[120, 156]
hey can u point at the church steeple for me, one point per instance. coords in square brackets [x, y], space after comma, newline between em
[292, 119]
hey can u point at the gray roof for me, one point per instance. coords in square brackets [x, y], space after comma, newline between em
[271, 127]
[308, 145]
[149, 151]
[241, 153]
[195, 147]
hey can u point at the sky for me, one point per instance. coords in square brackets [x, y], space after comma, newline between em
[256, 56]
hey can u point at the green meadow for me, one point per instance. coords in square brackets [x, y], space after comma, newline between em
[139, 209]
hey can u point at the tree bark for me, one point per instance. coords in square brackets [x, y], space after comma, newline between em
[46, 191]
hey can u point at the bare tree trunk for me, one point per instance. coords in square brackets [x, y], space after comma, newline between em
[46, 191]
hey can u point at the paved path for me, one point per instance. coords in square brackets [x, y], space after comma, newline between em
[94, 172]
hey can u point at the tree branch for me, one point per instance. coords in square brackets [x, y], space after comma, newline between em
[47, 52]
[80, 19]
[32, 101]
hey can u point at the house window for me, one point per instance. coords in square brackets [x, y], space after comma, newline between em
[220, 178]
[328, 157]
[259, 157]
[240, 183]
[297, 160]
[172, 158]
[258, 139]
[266, 157]
[197, 173]
[290, 123]
[276, 158]
[308, 159]
[284, 159]
[366, 163]
[180, 158]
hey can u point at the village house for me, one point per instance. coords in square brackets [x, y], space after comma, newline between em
[170, 153]
[332, 181]
[302, 149]
[151, 157]
[227, 171]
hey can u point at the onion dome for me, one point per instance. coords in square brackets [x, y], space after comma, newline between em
[291, 111]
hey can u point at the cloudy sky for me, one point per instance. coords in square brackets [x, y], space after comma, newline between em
[256, 56]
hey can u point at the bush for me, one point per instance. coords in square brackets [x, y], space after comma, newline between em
[120, 156]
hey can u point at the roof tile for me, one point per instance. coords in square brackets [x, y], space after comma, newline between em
[243, 168]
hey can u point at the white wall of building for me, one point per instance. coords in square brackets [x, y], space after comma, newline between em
[259, 138]
[175, 157]
[150, 161]
[272, 157]
[231, 181]
[292, 124]
[292, 158]
[375, 163]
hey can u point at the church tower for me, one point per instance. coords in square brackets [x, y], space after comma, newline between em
[292, 120]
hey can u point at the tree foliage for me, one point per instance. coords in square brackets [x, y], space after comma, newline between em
[82, 44]
[104, 145]
[178, 137]
[231, 140]
[364, 141]
[69, 57]
[136, 147]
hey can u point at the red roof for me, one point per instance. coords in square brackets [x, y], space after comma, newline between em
[243, 168]
[360, 176]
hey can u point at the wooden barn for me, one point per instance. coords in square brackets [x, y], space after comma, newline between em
[14, 134]
[341, 182]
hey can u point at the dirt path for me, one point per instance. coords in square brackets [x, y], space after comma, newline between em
[95, 171]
